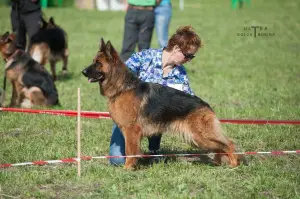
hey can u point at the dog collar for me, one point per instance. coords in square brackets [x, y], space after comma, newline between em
[10, 57]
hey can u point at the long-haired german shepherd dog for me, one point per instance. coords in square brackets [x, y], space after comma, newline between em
[50, 43]
[143, 109]
[31, 83]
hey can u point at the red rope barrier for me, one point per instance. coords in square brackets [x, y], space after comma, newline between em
[93, 114]
[239, 121]
[86, 114]
[74, 160]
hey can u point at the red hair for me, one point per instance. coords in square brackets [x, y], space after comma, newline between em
[184, 38]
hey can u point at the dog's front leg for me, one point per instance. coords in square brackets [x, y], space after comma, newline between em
[133, 136]
[13, 100]
[20, 92]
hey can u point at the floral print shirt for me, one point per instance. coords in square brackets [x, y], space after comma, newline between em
[147, 64]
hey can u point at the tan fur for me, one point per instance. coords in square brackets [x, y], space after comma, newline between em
[200, 128]
[34, 95]
[40, 53]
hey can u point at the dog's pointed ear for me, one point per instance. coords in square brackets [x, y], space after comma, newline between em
[6, 34]
[43, 23]
[102, 45]
[4, 37]
[11, 36]
[51, 21]
[110, 50]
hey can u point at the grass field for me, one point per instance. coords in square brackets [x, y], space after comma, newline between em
[242, 77]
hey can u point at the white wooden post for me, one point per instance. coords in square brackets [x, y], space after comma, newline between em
[181, 5]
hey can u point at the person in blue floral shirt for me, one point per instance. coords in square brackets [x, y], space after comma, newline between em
[163, 66]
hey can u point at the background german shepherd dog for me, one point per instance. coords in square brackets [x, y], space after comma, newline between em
[31, 83]
[50, 44]
[143, 109]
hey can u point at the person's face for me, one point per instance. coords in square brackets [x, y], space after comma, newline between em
[181, 57]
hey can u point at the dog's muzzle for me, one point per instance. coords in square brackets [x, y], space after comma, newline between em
[85, 72]
[93, 76]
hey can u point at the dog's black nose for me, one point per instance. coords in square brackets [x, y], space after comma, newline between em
[84, 72]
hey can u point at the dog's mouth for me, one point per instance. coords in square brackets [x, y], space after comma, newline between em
[93, 75]
[99, 77]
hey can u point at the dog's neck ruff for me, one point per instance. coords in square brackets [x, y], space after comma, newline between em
[131, 82]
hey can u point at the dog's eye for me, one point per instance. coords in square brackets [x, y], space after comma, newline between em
[98, 64]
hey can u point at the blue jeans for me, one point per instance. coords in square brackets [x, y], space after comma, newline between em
[117, 145]
[163, 14]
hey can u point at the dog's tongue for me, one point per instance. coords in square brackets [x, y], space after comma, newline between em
[90, 80]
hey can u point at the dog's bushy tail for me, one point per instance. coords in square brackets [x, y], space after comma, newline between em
[203, 130]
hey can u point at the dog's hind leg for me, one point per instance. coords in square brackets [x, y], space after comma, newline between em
[65, 62]
[207, 133]
[34, 96]
[133, 136]
[53, 70]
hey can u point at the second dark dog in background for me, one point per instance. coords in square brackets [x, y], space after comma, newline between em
[50, 44]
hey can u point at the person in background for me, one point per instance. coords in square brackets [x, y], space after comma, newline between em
[163, 14]
[163, 66]
[139, 25]
[25, 19]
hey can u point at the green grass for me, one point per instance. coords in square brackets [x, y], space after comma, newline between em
[241, 77]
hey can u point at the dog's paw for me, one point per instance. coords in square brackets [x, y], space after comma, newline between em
[130, 164]
[64, 72]
[231, 160]
[130, 168]
[2, 105]
[26, 104]
[242, 160]
[12, 105]
[54, 78]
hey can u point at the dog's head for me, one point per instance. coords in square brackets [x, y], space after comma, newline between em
[7, 44]
[106, 66]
